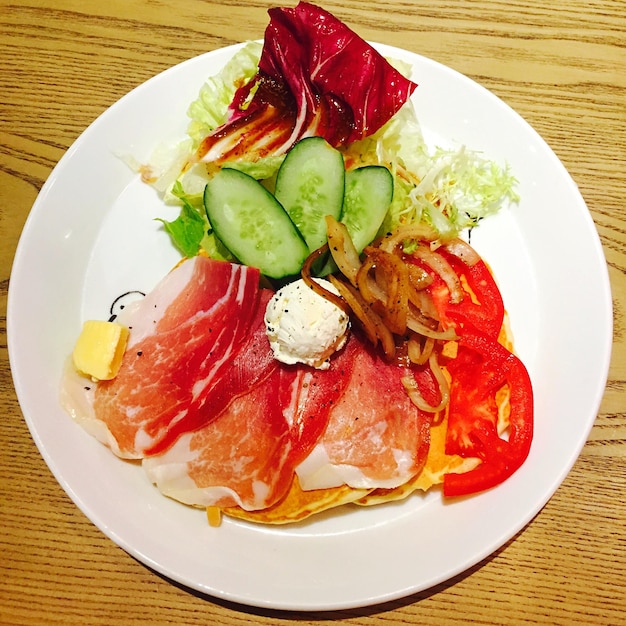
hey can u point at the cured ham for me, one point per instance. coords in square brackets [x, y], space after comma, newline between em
[375, 437]
[219, 422]
[238, 459]
[183, 338]
[251, 364]
[247, 456]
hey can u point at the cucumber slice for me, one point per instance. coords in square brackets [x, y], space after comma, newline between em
[310, 185]
[369, 191]
[368, 194]
[253, 225]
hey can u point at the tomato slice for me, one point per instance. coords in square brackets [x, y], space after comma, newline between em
[482, 306]
[480, 369]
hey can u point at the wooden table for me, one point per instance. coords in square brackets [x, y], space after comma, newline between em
[561, 65]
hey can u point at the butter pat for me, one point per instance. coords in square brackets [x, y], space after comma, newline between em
[99, 349]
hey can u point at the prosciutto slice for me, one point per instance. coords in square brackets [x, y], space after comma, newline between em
[248, 455]
[375, 437]
[237, 459]
[251, 364]
[183, 337]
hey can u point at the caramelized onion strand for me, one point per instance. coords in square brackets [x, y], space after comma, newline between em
[315, 286]
[342, 249]
[372, 324]
[415, 395]
[440, 266]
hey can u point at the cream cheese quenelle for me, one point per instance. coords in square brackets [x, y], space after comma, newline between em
[304, 327]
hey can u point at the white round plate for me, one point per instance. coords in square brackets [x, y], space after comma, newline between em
[91, 236]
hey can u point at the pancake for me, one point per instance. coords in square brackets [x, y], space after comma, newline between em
[438, 463]
[298, 505]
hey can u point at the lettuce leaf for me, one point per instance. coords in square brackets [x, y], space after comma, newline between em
[191, 231]
[212, 106]
[187, 230]
[343, 88]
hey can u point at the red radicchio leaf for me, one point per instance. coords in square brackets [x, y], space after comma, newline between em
[316, 77]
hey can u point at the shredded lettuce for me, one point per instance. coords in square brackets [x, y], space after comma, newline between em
[459, 189]
[451, 190]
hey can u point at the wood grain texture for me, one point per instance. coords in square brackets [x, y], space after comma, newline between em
[561, 65]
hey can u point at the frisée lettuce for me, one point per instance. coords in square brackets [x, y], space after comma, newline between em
[450, 189]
